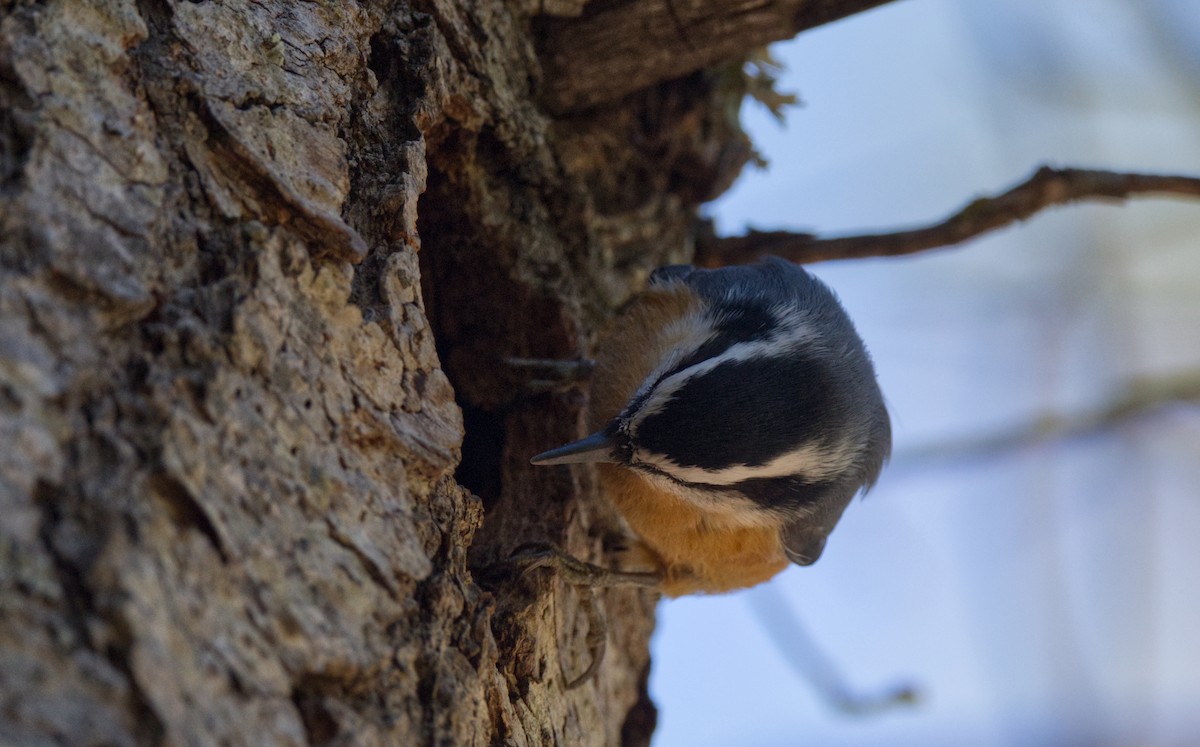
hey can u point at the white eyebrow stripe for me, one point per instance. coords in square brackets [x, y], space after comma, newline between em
[813, 461]
[792, 337]
[693, 330]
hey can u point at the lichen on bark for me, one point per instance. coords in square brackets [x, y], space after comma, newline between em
[260, 265]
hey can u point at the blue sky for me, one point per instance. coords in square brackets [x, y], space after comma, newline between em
[1043, 595]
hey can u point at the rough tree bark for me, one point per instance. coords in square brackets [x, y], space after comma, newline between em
[251, 254]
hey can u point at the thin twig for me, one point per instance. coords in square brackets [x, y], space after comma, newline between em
[1140, 398]
[807, 659]
[1046, 188]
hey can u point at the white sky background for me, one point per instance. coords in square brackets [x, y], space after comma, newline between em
[1047, 595]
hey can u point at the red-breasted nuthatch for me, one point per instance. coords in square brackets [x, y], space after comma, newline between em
[735, 414]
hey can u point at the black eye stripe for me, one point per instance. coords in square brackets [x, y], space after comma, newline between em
[788, 492]
[770, 406]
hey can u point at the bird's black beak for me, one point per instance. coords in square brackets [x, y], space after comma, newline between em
[595, 448]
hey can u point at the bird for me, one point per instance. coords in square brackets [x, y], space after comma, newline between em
[734, 413]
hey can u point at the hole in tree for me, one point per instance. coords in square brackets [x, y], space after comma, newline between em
[463, 301]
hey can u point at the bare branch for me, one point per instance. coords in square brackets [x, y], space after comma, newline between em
[1140, 398]
[807, 659]
[615, 48]
[1046, 188]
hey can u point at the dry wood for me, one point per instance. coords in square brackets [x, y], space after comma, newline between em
[615, 47]
[1047, 187]
[236, 500]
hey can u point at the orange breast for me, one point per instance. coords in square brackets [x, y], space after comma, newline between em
[699, 551]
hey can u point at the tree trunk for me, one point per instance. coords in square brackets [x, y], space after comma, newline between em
[251, 255]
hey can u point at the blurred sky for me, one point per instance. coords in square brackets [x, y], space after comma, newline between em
[1042, 595]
